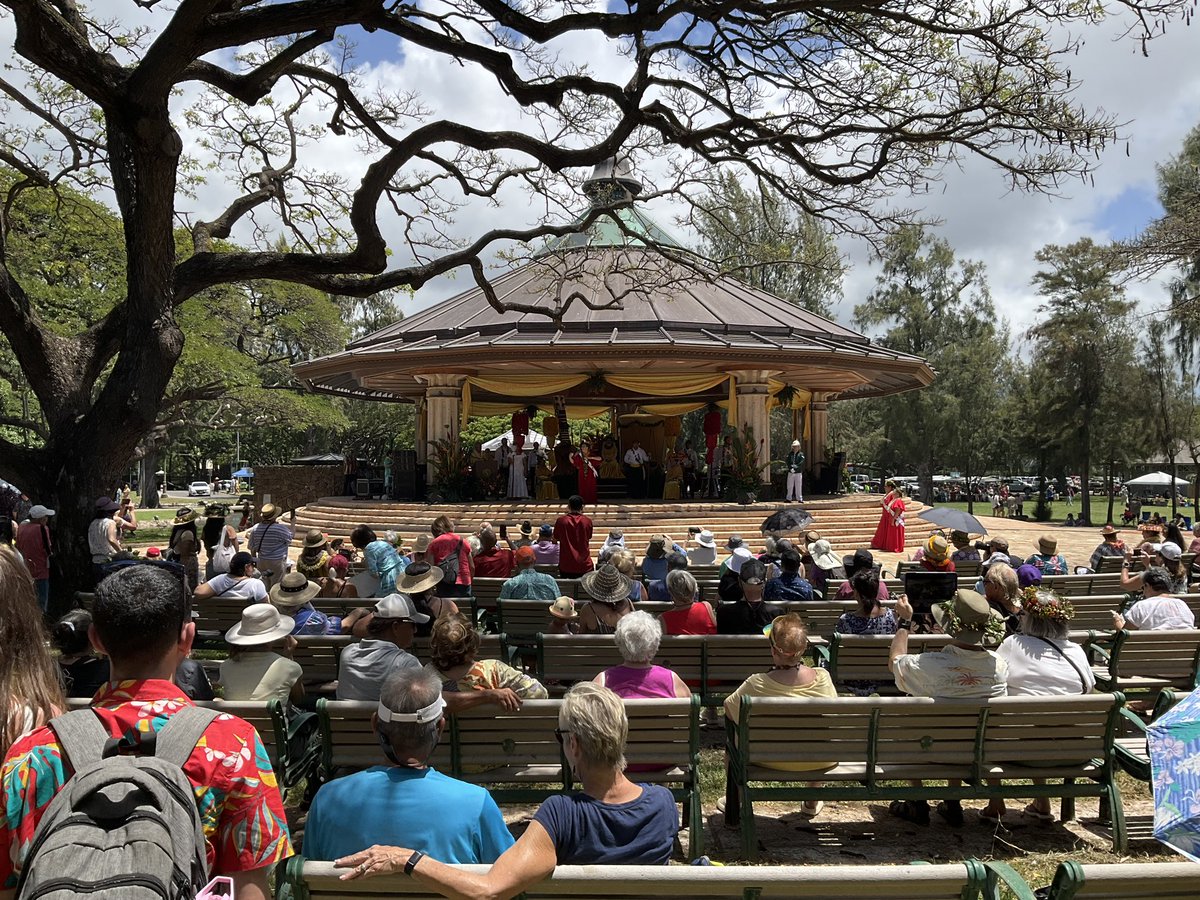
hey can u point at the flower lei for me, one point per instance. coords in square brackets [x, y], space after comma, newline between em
[993, 630]
[1045, 604]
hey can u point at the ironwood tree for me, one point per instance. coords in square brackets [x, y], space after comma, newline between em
[207, 113]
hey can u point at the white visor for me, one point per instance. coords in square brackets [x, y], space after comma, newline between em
[430, 713]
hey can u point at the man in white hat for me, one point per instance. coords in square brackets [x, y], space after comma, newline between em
[365, 665]
[253, 671]
[795, 474]
[34, 544]
[405, 802]
[705, 551]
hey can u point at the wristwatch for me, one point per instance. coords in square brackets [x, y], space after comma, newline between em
[416, 857]
[906, 624]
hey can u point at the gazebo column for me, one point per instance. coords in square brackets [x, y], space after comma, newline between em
[752, 396]
[442, 393]
[818, 431]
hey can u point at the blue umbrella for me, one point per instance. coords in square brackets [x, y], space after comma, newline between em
[953, 519]
[1174, 740]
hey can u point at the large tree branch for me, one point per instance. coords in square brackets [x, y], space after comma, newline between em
[250, 87]
[28, 424]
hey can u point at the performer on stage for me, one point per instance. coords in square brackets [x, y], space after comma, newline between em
[635, 470]
[582, 462]
[503, 461]
[565, 477]
[691, 465]
[517, 489]
[890, 533]
[795, 473]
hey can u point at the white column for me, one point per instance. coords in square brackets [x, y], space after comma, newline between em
[752, 394]
[442, 395]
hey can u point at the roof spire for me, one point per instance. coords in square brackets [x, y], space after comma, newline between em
[612, 181]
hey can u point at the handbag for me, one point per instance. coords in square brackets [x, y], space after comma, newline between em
[449, 565]
[223, 553]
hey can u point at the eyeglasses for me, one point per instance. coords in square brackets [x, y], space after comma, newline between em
[753, 581]
[559, 734]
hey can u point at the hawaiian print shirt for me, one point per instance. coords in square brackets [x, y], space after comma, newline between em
[240, 805]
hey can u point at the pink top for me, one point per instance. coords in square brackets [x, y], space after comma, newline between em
[640, 684]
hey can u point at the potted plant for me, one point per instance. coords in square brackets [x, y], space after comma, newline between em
[453, 477]
[741, 466]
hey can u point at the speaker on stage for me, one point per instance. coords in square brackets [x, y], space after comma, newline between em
[404, 475]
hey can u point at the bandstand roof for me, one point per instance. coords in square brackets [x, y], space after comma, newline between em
[669, 317]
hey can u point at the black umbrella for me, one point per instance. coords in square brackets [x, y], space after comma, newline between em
[786, 518]
[953, 519]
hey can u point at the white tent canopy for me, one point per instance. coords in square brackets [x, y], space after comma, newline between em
[531, 437]
[1156, 479]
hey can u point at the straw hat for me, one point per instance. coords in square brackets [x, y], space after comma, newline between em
[1047, 545]
[268, 512]
[563, 608]
[1108, 530]
[421, 543]
[823, 556]
[937, 548]
[959, 539]
[415, 580]
[315, 538]
[706, 539]
[293, 591]
[606, 584]
[184, 515]
[972, 612]
[261, 623]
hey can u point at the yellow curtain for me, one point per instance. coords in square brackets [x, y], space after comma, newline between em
[672, 409]
[807, 418]
[527, 385]
[464, 405]
[665, 385]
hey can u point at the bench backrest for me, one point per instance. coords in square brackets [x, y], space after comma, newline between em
[1172, 655]
[951, 881]
[1124, 881]
[318, 655]
[916, 730]
[864, 657]
[525, 618]
[218, 613]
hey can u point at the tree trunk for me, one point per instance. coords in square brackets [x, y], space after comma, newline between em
[970, 492]
[1111, 463]
[1085, 477]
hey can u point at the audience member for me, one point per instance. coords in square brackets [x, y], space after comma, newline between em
[790, 585]
[749, 615]
[451, 553]
[366, 664]
[142, 622]
[862, 559]
[419, 582]
[380, 557]
[83, 673]
[104, 539]
[787, 677]
[545, 550]
[729, 587]
[827, 567]
[36, 547]
[733, 544]
[573, 534]
[1158, 610]
[657, 590]
[935, 555]
[704, 553]
[1048, 559]
[614, 543]
[313, 562]
[1166, 556]
[336, 584]
[406, 801]
[294, 595]
[529, 583]
[563, 617]
[654, 563]
[612, 821]
[30, 693]
[1028, 576]
[254, 671]
[962, 669]
[1002, 589]
[626, 563]
[688, 613]
[241, 582]
[1194, 546]
[493, 561]
[964, 550]
[268, 543]
[609, 592]
[637, 637]
[453, 652]
[869, 618]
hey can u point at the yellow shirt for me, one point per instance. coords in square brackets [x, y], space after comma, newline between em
[763, 685]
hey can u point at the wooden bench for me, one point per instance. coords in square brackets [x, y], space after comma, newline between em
[485, 593]
[951, 881]
[875, 744]
[522, 619]
[516, 755]
[1083, 585]
[1124, 881]
[1148, 660]
[318, 656]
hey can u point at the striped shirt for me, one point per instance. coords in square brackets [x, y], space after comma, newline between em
[270, 540]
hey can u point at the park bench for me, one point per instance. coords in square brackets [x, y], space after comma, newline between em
[522, 619]
[951, 881]
[1124, 881]
[1083, 585]
[1148, 660]
[875, 744]
[516, 755]
[485, 594]
[318, 656]
[1133, 755]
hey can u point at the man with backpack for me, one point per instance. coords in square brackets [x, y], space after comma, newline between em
[144, 790]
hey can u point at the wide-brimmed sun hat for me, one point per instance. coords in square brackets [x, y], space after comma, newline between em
[261, 623]
[937, 548]
[657, 548]
[606, 584]
[184, 515]
[739, 556]
[706, 539]
[315, 538]
[417, 582]
[1108, 530]
[1047, 545]
[971, 613]
[294, 590]
[823, 556]
[106, 504]
[563, 608]
[421, 543]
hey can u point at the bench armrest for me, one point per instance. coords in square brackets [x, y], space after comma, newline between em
[1002, 873]
[1134, 718]
[820, 654]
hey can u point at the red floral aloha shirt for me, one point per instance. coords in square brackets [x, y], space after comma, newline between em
[240, 805]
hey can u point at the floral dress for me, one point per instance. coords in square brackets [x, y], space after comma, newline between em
[491, 674]
[853, 623]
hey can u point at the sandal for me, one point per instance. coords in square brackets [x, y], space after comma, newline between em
[987, 817]
[811, 810]
[952, 814]
[1042, 817]
[910, 811]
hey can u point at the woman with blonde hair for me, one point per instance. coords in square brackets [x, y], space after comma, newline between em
[626, 563]
[30, 692]
[453, 652]
[612, 821]
[1003, 592]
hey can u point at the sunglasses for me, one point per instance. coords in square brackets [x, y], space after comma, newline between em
[560, 734]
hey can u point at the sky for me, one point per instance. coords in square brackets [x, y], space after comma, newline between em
[1157, 96]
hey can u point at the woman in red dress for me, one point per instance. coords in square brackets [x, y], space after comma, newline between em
[889, 535]
[581, 459]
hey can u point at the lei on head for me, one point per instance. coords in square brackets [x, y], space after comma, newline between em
[993, 629]
[1045, 604]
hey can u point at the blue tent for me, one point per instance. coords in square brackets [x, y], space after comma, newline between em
[243, 473]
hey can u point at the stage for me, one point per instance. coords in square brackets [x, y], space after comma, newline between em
[847, 521]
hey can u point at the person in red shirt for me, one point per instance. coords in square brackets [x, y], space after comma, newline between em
[491, 561]
[444, 543]
[573, 534]
[142, 622]
[33, 541]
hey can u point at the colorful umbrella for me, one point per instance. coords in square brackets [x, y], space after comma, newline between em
[1174, 740]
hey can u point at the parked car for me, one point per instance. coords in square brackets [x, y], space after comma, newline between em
[199, 489]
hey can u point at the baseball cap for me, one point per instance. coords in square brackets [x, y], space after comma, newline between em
[1168, 550]
[37, 511]
[400, 606]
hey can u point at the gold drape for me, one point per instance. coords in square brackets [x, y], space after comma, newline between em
[666, 385]
[731, 409]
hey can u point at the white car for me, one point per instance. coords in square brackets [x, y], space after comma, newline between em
[199, 489]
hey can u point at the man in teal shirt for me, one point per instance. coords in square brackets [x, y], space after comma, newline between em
[795, 473]
[406, 803]
[529, 583]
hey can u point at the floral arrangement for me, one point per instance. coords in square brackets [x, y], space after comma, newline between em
[1045, 604]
